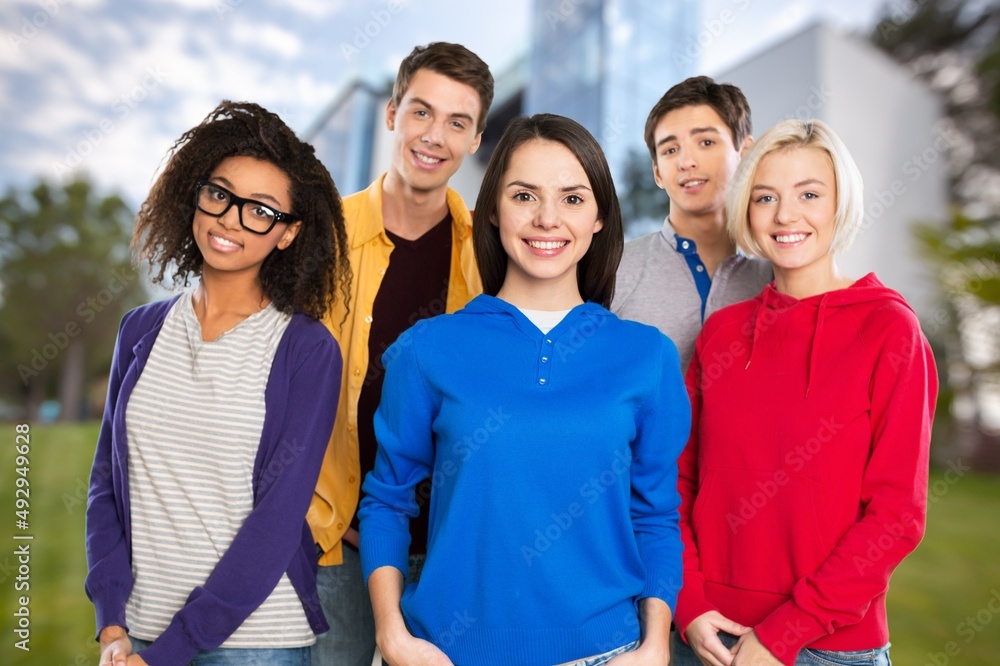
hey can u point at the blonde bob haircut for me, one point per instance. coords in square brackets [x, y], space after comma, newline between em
[787, 135]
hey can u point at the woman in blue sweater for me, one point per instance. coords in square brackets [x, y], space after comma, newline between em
[550, 430]
[220, 405]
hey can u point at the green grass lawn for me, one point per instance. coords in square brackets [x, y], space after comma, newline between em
[952, 576]
[62, 619]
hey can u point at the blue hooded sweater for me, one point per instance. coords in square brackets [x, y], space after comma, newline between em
[553, 461]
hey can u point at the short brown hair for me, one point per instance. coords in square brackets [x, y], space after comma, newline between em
[451, 60]
[595, 274]
[726, 99]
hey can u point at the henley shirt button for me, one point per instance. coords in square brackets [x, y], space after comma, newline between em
[548, 342]
[545, 359]
[368, 319]
[685, 245]
[700, 269]
[542, 380]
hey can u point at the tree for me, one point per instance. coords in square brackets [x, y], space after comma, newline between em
[66, 280]
[640, 197]
[967, 336]
[954, 47]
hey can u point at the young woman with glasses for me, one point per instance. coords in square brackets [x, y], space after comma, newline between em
[220, 405]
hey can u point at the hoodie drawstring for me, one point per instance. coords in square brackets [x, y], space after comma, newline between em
[817, 332]
[815, 342]
[756, 325]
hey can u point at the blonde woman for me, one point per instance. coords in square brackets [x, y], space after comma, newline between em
[804, 482]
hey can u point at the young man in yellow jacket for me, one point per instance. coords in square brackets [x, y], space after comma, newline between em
[411, 255]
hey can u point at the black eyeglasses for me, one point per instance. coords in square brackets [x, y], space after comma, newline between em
[256, 217]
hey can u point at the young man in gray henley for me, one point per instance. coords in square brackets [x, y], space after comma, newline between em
[676, 277]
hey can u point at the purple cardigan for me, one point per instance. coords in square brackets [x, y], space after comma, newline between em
[300, 404]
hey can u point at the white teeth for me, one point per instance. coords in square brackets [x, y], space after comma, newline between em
[222, 241]
[790, 238]
[547, 245]
[693, 183]
[427, 160]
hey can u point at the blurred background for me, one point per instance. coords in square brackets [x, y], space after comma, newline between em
[94, 92]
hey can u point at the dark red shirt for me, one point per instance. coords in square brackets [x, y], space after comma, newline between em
[414, 287]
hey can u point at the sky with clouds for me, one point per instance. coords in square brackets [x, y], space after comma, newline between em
[104, 87]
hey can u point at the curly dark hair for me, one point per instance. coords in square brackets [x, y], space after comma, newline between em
[303, 277]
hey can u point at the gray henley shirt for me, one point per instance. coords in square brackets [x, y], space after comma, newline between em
[654, 286]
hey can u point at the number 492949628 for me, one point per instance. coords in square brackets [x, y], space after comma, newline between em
[22, 465]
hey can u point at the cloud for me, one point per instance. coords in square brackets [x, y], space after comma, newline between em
[317, 9]
[266, 37]
[195, 5]
[92, 59]
[111, 100]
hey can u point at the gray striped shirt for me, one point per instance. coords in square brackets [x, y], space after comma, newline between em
[194, 423]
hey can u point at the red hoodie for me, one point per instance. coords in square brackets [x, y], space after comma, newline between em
[804, 482]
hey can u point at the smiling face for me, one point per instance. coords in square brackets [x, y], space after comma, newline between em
[548, 216]
[695, 159]
[435, 128]
[792, 211]
[228, 248]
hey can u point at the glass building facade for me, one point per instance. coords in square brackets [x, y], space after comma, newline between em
[605, 63]
[343, 137]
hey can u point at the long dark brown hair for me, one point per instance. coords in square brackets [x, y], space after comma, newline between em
[595, 274]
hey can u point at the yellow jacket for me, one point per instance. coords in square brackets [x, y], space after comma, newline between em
[336, 497]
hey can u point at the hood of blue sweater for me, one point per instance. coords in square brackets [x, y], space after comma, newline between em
[497, 307]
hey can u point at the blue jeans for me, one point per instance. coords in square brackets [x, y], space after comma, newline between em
[242, 657]
[682, 655]
[601, 659]
[348, 609]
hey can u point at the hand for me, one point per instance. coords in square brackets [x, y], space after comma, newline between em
[703, 636]
[404, 649]
[398, 646]
[749, 651]
[136, 660]
[654, 647]
[645, 655]
[115, 647]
